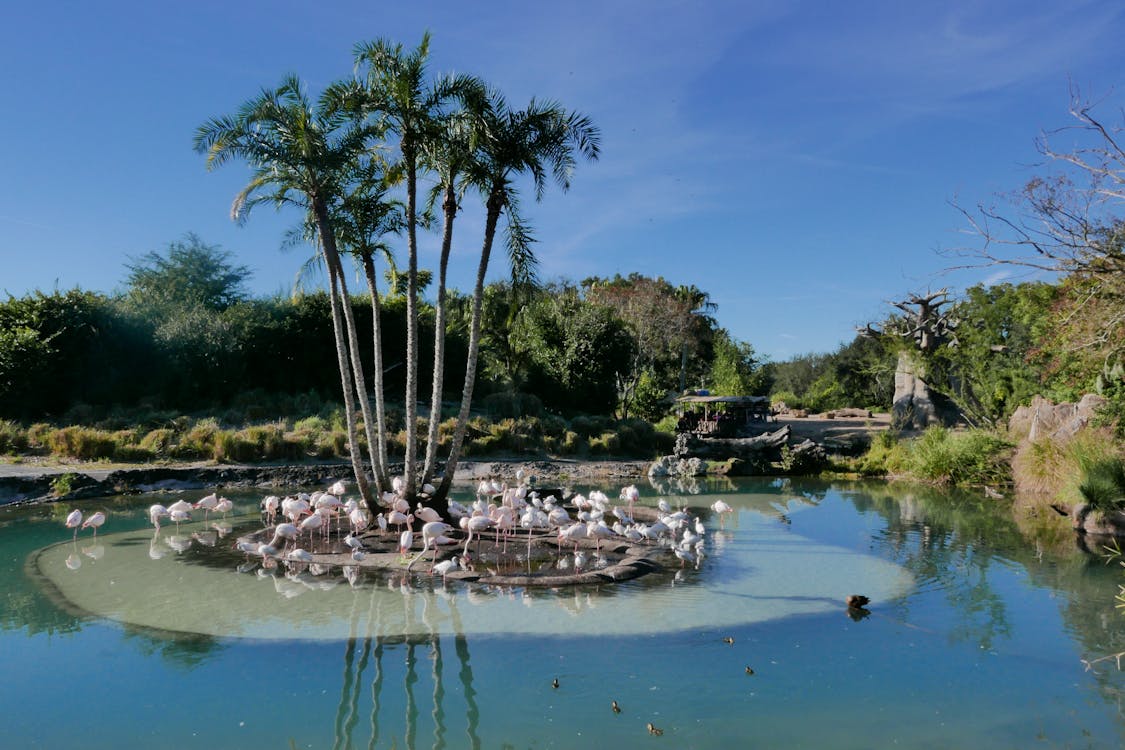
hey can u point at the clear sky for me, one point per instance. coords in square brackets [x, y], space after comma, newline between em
[796, 160]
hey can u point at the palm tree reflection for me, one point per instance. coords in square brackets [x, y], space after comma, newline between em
[377, 654]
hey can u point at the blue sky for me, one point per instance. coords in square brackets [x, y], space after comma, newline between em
[794, 159]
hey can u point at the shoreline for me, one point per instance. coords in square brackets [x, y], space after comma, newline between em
[29, 484]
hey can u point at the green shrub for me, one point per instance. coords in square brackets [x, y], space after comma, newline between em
[791, 399]
[37, 435]
[331, 444]
[199, 441]
[605, 444]
[84, 443]
[1103, 484]
[589, 426]
[510, 404]
[158, 442]
[971, 457]
[574, 444]
[63, 484]
[1056, 469]
[133, 453]
[886, 455]
[314, 423]
[13, 438]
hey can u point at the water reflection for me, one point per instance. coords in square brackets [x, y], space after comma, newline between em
[408, 662]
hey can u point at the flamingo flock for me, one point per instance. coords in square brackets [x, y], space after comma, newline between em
[302, 526]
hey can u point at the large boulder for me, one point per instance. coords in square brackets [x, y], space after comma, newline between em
[1043, 419]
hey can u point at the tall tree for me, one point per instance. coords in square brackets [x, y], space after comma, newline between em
[366, 218]
[300, 156]
[543, 140]
[448, 152]
[393, 89]
[191, 273]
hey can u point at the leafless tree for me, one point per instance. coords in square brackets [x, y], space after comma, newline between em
[1069, 220]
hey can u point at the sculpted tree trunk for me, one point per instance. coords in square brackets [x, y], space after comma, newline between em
[913, 406]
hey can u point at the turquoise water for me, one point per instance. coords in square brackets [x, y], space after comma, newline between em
[975, 639]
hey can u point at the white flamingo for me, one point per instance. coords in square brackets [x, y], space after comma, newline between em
[224, 506]
[178, 516]
[286, 531]
[207, 503]
[427, 515]
[722, 509]
[94, 522]
[73, 521]
[445, 567]
[155, 512]
[269, 507]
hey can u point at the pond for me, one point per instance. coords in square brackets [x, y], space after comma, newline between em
[976, 636]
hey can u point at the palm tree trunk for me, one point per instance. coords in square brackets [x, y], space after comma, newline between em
[332, 256]
[449, 207]
[380, 405]
[347, 385]
[493, 217]
[411, 323]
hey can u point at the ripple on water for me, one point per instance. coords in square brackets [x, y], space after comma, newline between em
[753, 572]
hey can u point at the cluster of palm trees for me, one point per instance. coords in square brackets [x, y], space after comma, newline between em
[343, 160]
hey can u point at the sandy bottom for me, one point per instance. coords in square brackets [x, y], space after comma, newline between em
[755, 570]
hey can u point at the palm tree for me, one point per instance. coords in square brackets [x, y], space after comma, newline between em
[367, 215]
[701, 309]
[541, 140]
[300, 157]
[448, 153]
[394, 92]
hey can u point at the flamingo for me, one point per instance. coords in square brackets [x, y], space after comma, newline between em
[313, 523]
[572, 533]
[154, 514]
[299, 555]
[399, 519]
[431, 532]
[445, 567]
[208, 504]
[632, 494]
[475, 525]
[338, 488]
[598, 531]
[73, 521]
[224, 506]
[286, 531]
[405, 542]
[177, 516]
[359, 519]
[426, 514]
[685, 555]
[181, 505]
[94, 522]
[721, 508]
[269, 507]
